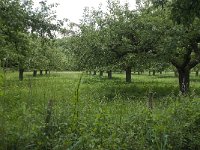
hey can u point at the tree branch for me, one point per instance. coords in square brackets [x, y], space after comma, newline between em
[193, 63]
[175, 63]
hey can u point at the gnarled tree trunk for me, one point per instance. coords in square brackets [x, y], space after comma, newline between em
[187, 63]
[184, 80]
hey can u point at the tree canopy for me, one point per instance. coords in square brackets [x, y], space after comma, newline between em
[26, 34]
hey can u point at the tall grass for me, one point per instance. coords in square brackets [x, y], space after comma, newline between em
[76, 111]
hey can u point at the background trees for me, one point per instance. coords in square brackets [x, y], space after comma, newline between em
[15, 25]
[25, 34]
[152, 36]
[145, 39]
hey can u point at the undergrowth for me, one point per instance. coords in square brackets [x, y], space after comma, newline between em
[75, 111]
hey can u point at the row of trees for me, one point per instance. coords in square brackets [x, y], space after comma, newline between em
[154, 36]
[27, 36]
[158, 33]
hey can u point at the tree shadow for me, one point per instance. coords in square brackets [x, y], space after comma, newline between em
[110, 89]
[166, 76]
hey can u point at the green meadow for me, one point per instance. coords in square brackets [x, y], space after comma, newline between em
[73, 110]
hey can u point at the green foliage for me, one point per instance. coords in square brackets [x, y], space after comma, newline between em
[161, 3]
[44, 113]
[108, 39]
[26, 34]
[185, 11]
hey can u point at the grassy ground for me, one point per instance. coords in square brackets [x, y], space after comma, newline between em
[59, 112]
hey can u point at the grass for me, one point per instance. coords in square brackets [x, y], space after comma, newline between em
[60, 111]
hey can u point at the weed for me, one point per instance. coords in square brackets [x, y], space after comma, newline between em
[77, 111]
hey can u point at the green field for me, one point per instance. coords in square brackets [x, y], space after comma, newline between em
[72, 110]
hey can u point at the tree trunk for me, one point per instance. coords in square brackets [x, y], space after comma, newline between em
[128, 74]
[101, 73]
[154, 72]
[197, 73]
[109, 74]
[149, 73]
[21, 74]
[46, 72]
[184, 80]
[95, 73]
[160, 72]
[34, 73]
[41, 73]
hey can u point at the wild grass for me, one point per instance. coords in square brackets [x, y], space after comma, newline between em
[71, 110]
